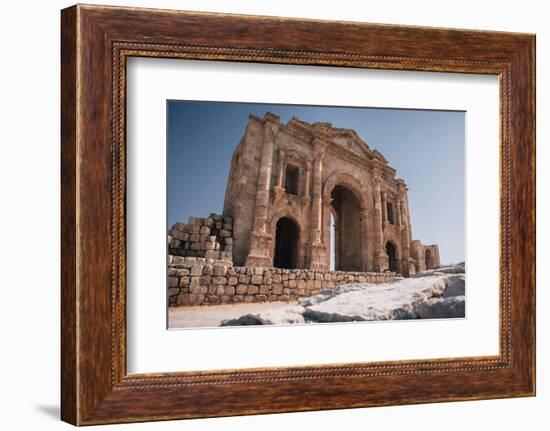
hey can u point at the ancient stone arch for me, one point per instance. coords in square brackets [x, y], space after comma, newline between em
[298, 241]
[286, 244]
[393, 254]
[348, 181]
[304, 172]
[346, 200]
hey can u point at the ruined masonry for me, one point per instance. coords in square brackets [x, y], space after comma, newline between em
[289, 186]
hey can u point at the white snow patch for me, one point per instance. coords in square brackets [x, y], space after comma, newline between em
[365, 301]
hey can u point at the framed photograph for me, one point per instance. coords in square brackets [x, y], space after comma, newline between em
[264, 215]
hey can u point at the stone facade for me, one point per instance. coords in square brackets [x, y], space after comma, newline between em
[289, 182]
[425, 256]
[200, 281]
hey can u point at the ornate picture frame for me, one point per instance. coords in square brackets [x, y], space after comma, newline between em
[96, 41]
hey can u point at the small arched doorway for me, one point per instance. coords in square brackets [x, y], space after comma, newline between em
[286, 244]
[347, 236]
[391, 251]
[429, 258]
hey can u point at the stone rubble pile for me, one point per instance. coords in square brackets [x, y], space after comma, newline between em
[208, 237]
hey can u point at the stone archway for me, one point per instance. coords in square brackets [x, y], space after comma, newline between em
[348, 238]
[287, 237]
[429, 258]
[391, 251]
[346, 204]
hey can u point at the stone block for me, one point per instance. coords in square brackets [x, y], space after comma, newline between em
[252, 290]
[207, 270]
[172, 281]
[212, 254]
[245, 279]
[232, 281]
[220, 270]
[241, 289]
[219, 280]
[277, 289]
[177, 260]
[257, 279]
[196, 269]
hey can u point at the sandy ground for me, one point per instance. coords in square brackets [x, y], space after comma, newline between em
[213, 315]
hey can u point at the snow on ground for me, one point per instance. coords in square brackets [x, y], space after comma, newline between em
[431, 296]
[378, 302]
[434, 294]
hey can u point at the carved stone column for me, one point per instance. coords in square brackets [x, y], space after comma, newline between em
[301, 181]
[399, 219]
[281, 168]
[408, 267]
[316, 247]
[380, 258]
[306, 186]
[366, 260]
[259, 237]
[384, 209]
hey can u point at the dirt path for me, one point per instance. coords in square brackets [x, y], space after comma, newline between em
[213, 315]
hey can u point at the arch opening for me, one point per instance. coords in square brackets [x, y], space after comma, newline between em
[391, 251]
[286, 244]
[347, 243]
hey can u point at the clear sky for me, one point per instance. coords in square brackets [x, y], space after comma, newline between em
[427, 148]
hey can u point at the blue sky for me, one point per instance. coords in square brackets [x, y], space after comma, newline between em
[427, 148]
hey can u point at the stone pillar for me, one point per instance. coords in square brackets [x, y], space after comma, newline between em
[367, 264]
[259, 237]
[316, 247]
[398, 211]
[300, 181]
[306, 186]
[380, 258]
[408, 264]
[281, 168]
[317, 200]
[384, 209]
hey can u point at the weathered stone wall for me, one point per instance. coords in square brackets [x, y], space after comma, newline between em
[199, 281]
[208, 237]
